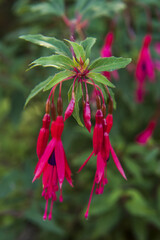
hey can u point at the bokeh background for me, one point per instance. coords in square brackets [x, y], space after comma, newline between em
[126, 210]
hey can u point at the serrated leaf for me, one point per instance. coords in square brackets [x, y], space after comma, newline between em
[58, 78]
[78, 50]
[100, 78]
[78, 95]
[109, 64]
[87, 45]
[58, 46]
[37, 89]
[57, 61]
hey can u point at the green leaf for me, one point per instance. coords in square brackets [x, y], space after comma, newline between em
[137, 204]
[37, 89]
[100, 78]
[78, 50]
[52, 7]
[58, 46]
[87, 45]
[58, 78]
[57, 61]
[78, 95]
[109, 64]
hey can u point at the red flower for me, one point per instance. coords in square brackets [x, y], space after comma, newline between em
[54, 166]
[106, 51]
[144, 136]
[43, 135]
[144, 69]
[102, 151]
[87, 116]
[98, 132]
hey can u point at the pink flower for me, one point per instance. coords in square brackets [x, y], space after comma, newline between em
[87, 116]
[53, 166]
[69, 109]
[157, 47]
[144, 136]
[103, 153]
[43, 135]
[98, 132]
[106, 51]
[144, 69]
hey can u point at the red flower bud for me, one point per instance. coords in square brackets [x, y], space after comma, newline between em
[109, 120]
[105, 151]
[43, 135]
[69, 109]
[98, 132]
[87, 116]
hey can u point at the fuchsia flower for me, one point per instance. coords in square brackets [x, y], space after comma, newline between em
[157, 47]
[144, 69]
[144, 136]
[102, 148]
[87, 116]
[43, 135]
[53, 166]
[106, 51]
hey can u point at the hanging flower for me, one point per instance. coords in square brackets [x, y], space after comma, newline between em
[144, 136]
[103, 151]
[53, 166]
[106, 51]
[144, 69]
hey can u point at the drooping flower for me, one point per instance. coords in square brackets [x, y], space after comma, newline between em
[69, 109]
[145, 135]
[87, 116]
[53, 166]
[106, 51]
[43, 135]
[103, 151]
[98, 132]
[144, 69]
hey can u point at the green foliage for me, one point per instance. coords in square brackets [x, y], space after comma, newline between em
[109, 64]
[52, 43]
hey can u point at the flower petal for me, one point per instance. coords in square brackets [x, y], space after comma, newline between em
[67, 171]
[44, 159]
[117, 162]
[100, 168]
[86, 161]
[60, 161]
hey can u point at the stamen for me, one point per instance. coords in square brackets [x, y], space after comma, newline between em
[51, 207]
[45, 212]
[90, 198]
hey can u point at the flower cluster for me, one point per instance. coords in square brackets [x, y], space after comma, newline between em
[102, 149]
[74, 64]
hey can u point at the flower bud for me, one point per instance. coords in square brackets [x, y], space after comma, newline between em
[105, 151]
[69, 109]
[43, 135]
[87, 116]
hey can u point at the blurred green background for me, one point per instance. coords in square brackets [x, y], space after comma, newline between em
[126, 210]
